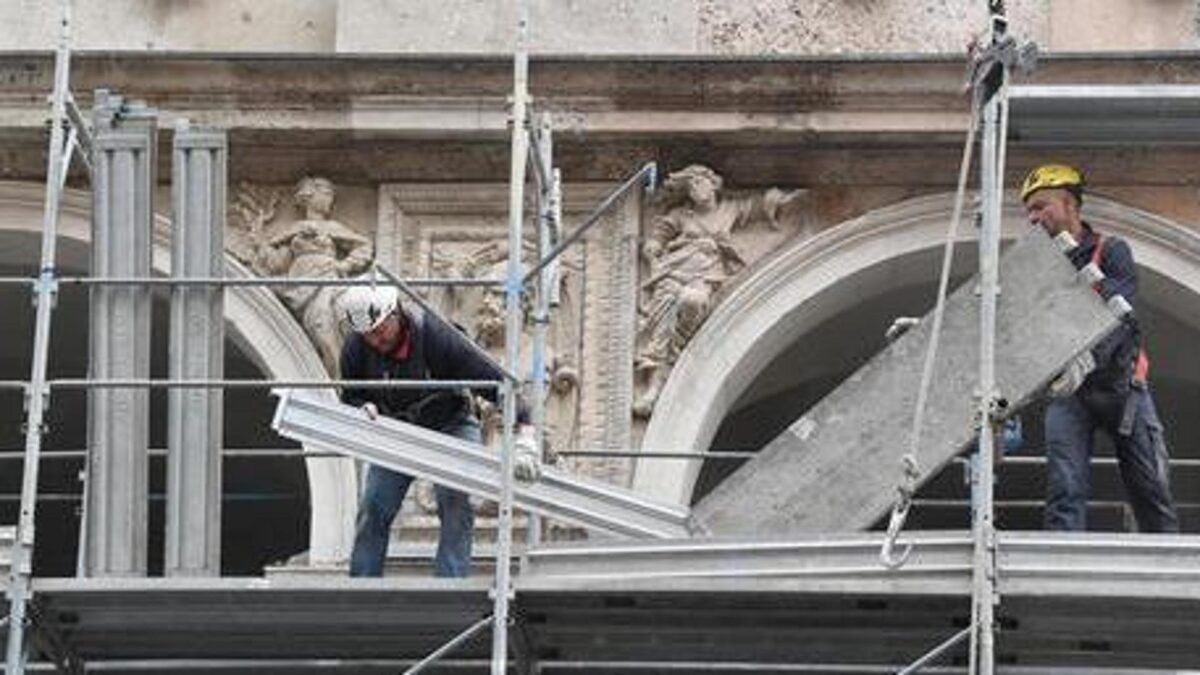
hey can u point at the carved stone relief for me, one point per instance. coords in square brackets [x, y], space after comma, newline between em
[480, 310]
[698, 240]
[460, 231]
[310, 244]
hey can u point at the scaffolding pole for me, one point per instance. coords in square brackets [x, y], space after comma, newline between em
[984, 592]
[37, 395]
[549, 218]
[502, 590]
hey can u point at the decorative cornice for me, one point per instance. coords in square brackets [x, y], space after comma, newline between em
[464, 96]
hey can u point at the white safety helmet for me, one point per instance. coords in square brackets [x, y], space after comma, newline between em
[365, 307]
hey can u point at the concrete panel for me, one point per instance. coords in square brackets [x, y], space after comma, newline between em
[837, 467]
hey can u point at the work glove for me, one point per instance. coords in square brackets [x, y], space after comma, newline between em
[527, 466]
[900, 326]
[1072, 376]
[370, 410]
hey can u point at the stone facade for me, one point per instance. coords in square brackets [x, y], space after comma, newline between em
[682, 27]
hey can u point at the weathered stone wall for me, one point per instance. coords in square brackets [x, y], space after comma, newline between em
[488, 26]
[170, 25]
[691, 27]
[854, 26]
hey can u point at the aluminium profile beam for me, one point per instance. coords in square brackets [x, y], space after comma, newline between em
[1117, 115]
[471, 468]
[124, 162]
[1141, 568]
[197, 351]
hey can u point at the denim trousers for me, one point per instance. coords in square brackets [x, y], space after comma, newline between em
[384, 492]
[1071, 423]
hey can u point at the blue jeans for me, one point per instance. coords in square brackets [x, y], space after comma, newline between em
[381, 499]
[1071, 423]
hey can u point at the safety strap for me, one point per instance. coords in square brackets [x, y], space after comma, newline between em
[1097, 253]
[1141, 364]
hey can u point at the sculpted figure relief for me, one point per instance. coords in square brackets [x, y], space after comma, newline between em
[690, 253]
[482, 310]
[313, 246]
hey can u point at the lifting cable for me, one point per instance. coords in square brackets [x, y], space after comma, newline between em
[910, 467]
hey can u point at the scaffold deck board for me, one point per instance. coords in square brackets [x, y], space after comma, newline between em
[472, 468]
[838, 466]
[1072, 603]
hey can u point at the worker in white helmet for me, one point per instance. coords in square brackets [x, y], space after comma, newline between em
[390, 341]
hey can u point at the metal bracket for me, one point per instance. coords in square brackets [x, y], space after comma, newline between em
[987, 65]
[47, 283]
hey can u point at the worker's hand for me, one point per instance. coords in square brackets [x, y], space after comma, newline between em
[370, 410]
[900, 326]
[1072, 376]
[527, 466]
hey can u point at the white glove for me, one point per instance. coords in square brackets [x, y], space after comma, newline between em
[370, 411]
[900, 326]
[1072, 376]
[527, 466]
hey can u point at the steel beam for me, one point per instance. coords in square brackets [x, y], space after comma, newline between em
[837, 467]
[118, 419]
[197, 351]
[472, 468]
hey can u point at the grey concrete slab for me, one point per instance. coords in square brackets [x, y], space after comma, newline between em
[838, 466]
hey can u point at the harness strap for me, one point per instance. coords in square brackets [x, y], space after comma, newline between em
[1141, 363]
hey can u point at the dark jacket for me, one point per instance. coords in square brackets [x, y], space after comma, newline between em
[1115, 354]
[439, 351]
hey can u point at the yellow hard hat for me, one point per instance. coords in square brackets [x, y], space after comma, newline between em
[1052, 176]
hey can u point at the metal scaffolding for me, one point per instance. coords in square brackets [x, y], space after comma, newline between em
[941, 565]
[113, 534]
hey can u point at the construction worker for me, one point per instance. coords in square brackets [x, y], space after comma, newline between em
[1104, 388]
[390, 341]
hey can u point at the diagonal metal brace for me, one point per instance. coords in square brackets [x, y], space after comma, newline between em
[471, 467]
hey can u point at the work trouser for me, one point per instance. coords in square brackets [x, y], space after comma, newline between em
[1071, 423]
[384, 492]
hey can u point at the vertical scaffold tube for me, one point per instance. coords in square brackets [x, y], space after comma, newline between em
[21, 565]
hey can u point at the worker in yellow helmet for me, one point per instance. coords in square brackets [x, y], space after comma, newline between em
[1103, 388]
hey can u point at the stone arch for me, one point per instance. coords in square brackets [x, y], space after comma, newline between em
[261, 327]
[800, 287]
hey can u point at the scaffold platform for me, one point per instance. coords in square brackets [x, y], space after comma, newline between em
[814, 604]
